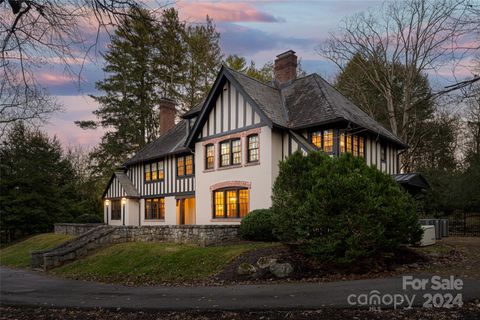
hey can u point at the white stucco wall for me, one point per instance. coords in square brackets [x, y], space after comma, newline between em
[259, 176]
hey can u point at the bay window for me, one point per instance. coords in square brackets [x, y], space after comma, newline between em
[323, 140]
[230, 203]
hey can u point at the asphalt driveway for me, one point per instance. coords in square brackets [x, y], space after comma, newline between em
[20, 287]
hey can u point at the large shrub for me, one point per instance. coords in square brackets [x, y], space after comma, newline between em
[340, 209]
[258, 226]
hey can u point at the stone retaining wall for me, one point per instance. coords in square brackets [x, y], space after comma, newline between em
[74, 229]
[101, 235]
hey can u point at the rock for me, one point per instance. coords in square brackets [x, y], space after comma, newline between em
[265, 262]
[413, 265]
[246, 269]
[281, 270]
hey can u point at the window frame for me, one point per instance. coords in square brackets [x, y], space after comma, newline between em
[225, 203]
[230, 154]
[157, 171]
[114, 211]
[185, 175]
[207, 167]
[160, 211]
[249, 154]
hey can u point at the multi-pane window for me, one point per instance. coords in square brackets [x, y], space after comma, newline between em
[116, 210]
[342, 141]
[352, 143]
[185, 165]
[317, 139]
[323, 140]
[155, 209]
[230, 203]
[209, 156]
[253, 148]
[154, 171]
[328, 141]
[230, 152]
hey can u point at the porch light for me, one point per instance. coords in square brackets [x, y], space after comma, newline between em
[107, 202]
[124, 200]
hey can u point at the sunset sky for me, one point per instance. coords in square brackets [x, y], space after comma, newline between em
[258, 30]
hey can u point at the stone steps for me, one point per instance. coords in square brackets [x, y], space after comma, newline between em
[72, 249]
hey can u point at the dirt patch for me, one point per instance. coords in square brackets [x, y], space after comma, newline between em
[467, 312]
[309, 270]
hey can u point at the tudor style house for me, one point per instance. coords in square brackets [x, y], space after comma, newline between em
[221, 159]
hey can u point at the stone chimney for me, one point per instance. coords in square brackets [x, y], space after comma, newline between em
[167, 114]
[286, 67]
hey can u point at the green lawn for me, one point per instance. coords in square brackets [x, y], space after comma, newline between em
[150, 263]
[18, 254]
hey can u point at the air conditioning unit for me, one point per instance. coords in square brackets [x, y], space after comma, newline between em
[428, 237]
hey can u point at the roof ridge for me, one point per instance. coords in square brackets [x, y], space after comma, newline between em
[249, 77]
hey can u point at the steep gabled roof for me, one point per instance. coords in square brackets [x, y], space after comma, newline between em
[125, 182]
[169, 143]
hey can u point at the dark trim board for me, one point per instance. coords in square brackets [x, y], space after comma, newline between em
[218, 135]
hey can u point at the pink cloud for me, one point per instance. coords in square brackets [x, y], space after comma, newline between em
[224, 12]
[48, 78]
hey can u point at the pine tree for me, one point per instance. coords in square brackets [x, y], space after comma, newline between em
[37, 185]
[204, 60]
[129, 107]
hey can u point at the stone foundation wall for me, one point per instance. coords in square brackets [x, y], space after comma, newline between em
[102, 235]
[74, 229]
[202, 235]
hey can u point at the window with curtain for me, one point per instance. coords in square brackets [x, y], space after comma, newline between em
[155, 209]
[253, 148]
[209, 156]
[230, 203]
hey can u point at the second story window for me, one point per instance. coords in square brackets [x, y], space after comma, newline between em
[317, 139]
[253, 147]
[185, 165]
[209, 156]
[230, 152]
[154, 171]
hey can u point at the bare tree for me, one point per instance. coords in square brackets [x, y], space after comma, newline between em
[39, 32]
[420, 35]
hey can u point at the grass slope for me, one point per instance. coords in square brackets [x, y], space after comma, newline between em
[151, 263]
[18, 254]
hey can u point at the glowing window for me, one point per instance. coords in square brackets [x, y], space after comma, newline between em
[328, 141]
[230, 203]
[155, 209]
[317, 139]
[209, 156]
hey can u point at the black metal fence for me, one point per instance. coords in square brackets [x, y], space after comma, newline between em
[464, 224]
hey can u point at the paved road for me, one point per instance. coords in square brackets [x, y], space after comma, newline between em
[19, 287]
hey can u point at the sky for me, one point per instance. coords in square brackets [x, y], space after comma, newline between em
[257, 30]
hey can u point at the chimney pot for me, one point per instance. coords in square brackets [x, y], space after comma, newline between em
[286, 67]
[167, 114]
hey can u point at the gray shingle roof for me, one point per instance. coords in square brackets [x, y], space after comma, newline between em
[170, 142]
[127, 185]
[267, 98]
[194, 110]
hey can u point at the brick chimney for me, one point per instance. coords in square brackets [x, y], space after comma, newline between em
[286, 66]
[167, 114]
